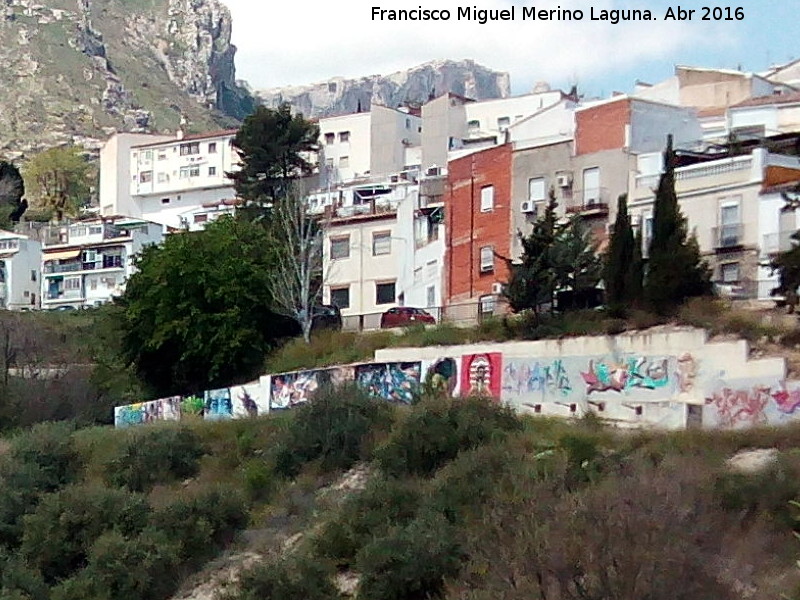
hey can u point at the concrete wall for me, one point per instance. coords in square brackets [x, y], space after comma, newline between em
[550, 125]
[443, 118]
[357, 148]
[422, 266]
[168, 209]
[488, 112]
[391, 133]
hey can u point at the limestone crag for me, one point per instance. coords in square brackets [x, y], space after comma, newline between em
[411, 87]
[75, 71]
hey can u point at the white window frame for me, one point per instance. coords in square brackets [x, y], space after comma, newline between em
[345, 241]
[591, 185]
[345, 288]
[381, 243]
[537, 191]
[487, 259]
[487, 198]
[722, 271]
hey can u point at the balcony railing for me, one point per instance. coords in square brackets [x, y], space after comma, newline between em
[51, 268]
[590, 202]
[728, 236]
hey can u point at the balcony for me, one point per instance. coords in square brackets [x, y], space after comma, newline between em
[590, 203]
[728, 237]
[53, 269]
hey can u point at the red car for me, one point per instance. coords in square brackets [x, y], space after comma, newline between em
[402, 316]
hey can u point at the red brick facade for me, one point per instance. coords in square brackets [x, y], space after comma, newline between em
[469, 228]
[602, 127]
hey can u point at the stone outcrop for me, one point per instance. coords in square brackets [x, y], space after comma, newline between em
[411, 87]
[75, 71]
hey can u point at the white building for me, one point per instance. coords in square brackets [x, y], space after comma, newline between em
[20, 271]
[87, 263]
[166, 178]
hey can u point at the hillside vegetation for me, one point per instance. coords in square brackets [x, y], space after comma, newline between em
[452, 499]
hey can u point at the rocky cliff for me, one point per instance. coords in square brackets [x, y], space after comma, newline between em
[78, 70]
[414, 86]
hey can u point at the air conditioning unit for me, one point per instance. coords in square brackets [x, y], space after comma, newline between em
[433, 171]
[497, 288]
[528, 207]
[563, 181]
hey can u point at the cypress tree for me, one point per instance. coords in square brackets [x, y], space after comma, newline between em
[675, 270]
[621, 273]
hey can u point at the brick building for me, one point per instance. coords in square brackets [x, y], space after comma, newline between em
[479, 226]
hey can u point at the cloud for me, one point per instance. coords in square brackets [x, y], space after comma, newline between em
[303, 42]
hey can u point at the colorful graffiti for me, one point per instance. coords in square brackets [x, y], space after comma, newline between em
[248, 400]
[633, 372]
[787, 401]
[521, 377]
[686, 373]
[291, 389]
[395, 382]
[482, 374]
[740, 407]
[441, 377]
[218, 405]
[163, 409]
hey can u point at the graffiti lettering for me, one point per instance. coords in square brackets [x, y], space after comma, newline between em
[634, 372]
[788, 401]
[520, 378]
[735, 407]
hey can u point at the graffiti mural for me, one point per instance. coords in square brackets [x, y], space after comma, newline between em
[395, 382]
[291, 389]
[441, 376]
[249, 400]
[482, 374]
[163, 409]
[740, 407]
[218, 405]
[540, 379]
[633, 372]
[686, 373]
[787, 400]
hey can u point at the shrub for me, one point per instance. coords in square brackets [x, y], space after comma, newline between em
[383, 504]
[412, 562]
[297, 578]
[333, 429]
[436, 430]
[18, 580]
[59, 533]
[50, 448]
[201, 523]
[155, 455]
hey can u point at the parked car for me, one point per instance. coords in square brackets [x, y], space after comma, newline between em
[401, 316]
[326, 316]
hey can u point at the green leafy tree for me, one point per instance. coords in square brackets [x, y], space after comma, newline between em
[675, 270]
[576, 265]
[787, 265]
[198, 312]
[274, 147]
[622, 270]
[58, 180]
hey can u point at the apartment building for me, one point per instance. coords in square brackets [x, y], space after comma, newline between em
[20, 271]
[163, 179]
[87, 263]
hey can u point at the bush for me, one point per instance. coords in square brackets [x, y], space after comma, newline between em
[59, 533]
[50, 448]
[383, 504]
[333, 429]
[436, 430]
[258, 479]
[202, 523]
[412, 562]
[297, 578]
[155, 455]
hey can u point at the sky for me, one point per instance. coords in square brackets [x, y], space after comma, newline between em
[306, 41]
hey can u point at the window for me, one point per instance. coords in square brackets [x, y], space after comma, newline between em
[344, 136]
[536, 189]
[486, 304]
[473, 126]
[191, 148]
[162, 156]
[165, 201]
[148, 155]
[212, 171]
[72, 283]
[487, 198]
[163, 178]
[384, 293]
[340, 247]
[729, 222]
[33, 274]
[381, 243]
[95, 229]
[431, 296]
[145, 177]
[329, 162]
[93, 284]
[340, 297]
[591, 185]
[729, 272]
[212, 147]
[408, 123]
[503, 123]
[329, 138]
[187, 172]
[344, 162]
[430, 269]
[487, 259]
[200, 218]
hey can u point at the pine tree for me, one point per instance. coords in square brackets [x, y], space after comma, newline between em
[622, 271]
[675, 270]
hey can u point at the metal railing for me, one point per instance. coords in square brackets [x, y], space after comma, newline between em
[728, 236]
